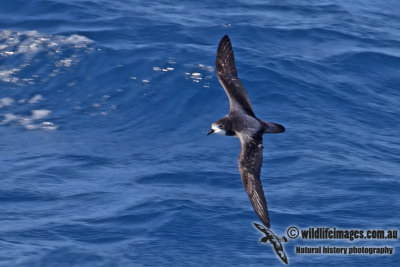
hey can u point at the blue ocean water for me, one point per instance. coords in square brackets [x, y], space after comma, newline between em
[105, 106]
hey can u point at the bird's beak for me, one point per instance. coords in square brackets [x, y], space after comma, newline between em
[210, 132]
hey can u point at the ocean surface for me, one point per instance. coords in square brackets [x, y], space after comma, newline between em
[105, 106]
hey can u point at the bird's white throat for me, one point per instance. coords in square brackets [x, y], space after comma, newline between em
[218, 130]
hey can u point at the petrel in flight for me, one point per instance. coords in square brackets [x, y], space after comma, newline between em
[243, 123]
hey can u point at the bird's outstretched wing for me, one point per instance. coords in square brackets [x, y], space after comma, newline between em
[250, 161]
[228, 77]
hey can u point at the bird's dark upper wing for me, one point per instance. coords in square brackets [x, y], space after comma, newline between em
[250, 161]
[227, 75]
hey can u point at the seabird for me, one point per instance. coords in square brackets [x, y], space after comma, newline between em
[243, 123]
[274, 240]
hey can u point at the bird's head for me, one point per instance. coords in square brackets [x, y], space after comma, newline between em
[221, 127]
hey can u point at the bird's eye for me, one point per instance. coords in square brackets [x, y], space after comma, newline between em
[220, 126]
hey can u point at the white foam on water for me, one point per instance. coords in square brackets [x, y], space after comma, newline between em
[6, 101]
[35, 99]
[9, 117]
[29, 122]
[40, 114]
[64, 63]
[78, 40]
[206, 67]
[203, 72]
[37, 47]
[7, 75]
[163, 69]
[46, 125]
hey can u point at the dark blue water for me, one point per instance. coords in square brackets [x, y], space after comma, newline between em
[104, 155]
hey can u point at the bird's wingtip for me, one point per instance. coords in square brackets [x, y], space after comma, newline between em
[225, 37]
[225, 60]
[224, 40]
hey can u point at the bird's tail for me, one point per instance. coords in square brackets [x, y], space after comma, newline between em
[272, 127]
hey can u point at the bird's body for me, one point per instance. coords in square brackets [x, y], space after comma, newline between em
[243, 123]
